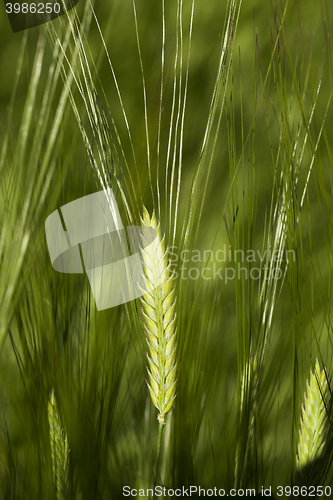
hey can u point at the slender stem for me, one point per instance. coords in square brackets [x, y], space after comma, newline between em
[158, 455]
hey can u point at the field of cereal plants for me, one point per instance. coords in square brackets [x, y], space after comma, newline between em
[206, 130]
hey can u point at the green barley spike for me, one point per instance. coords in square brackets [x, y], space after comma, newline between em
[160, 319]
[59, 449]
[313, 429]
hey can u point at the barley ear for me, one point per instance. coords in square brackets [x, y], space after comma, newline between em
[313, 429]
[158, 307]
[59, 449]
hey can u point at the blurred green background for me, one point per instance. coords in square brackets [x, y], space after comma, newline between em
[256, 113]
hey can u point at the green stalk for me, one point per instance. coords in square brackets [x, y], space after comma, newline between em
[158, 455]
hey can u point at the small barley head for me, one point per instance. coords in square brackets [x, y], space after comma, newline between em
[59, 449]
[160, 319]
[313, 429]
